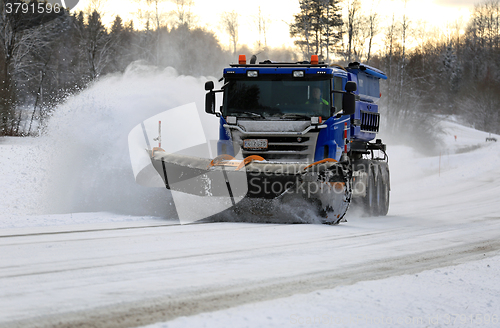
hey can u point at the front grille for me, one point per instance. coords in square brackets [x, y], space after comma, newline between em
[370, 122]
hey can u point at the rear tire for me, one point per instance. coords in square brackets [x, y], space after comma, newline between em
[385, 195]
[369, 202]
[377, 209]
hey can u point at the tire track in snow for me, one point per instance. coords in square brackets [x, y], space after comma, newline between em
[35, 270]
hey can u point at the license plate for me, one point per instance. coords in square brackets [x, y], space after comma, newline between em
[255, 144]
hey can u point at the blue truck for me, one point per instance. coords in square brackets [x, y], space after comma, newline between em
[295, 130]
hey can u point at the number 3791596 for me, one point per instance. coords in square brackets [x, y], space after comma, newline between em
[32, 8]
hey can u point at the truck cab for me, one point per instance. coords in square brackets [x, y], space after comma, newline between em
[295, 112]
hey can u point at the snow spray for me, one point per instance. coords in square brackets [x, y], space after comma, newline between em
[87, 160]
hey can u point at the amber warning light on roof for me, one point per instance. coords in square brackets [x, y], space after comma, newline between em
[242, 60]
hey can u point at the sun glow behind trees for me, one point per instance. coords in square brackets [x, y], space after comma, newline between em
[439, 17]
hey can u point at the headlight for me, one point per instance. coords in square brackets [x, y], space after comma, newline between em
[252, 73]
[298, 73]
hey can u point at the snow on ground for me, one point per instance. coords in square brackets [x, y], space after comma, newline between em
[20, 179]
[466, 295]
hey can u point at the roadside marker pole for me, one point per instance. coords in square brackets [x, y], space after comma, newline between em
[159, 134]
[439, 163]
[345, 138]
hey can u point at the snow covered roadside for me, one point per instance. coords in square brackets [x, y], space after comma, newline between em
[22, 180]
[467, 295]
[20, 177]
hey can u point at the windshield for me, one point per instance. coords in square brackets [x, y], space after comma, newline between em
[292, 99]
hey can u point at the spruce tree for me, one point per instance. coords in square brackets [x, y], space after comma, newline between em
[317, 27]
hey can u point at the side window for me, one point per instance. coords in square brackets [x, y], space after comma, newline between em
[375, 87]
[368, 85]
[363, 84]
[337, 85]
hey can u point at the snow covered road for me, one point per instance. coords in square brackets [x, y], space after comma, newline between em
[112, 270]
[136, 276]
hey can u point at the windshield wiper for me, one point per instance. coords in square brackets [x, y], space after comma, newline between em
[254, 114]
[295, 116]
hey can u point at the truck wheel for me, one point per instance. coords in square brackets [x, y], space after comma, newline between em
[385, 193]
[377, 208]
[369, 202]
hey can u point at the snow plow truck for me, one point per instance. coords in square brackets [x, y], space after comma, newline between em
[291, 130]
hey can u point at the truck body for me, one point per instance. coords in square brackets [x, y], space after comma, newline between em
[296, 115]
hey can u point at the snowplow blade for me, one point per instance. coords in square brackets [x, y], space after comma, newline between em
[225, 176]
[230, 181]
[195, 176]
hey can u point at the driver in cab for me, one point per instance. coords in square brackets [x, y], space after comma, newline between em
[316, 98]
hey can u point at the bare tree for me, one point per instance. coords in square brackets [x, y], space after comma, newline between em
[373, 29]
[262, 22]
[360, 29]
[229, 22]
[352, 22]
[154, 19]
[151, 13]
[404, 30]
[96, 44]
[361, 36]
[184, 14]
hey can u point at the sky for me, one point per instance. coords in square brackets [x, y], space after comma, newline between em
[438, 13]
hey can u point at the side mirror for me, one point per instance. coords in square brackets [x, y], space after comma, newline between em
[351, 86]
[210, 102]
[209, 86]
[348, 103]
